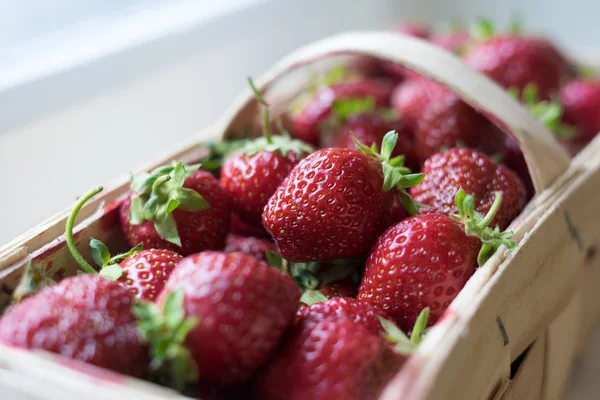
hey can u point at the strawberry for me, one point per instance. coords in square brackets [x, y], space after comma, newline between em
[86, 318]
[255, 246]
[144, 272]
[446, 173]
[438, 118]
[222, 316]
[343, 288]
[250, 177]
[425, 260]
[335, 202]
[331, 354]
[176, 208]
[370, 128]
[306, 122]
[454, 41]
[242, 229]
[415, 29]
[514, 159]
[515, 60]
[581, 102]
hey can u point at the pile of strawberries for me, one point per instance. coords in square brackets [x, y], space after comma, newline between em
[308, 262]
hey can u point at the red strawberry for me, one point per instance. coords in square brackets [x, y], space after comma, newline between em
[581, 102]
[415, 29]
[453, 41]
[370, 128]
[515, 61]
[176, 208]
[242, 229]
[144, 272]
[318, 109]
[438, 118]
[331, 355]
[346, 307]
[250, 177]
[343, 288]
[256, 247]
[335, 202]
[86, 318]
[223, 315]
[425, 260]
[514, 159]
[446, 173]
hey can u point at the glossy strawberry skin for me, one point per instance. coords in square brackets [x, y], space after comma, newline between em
[199, 230]
[330, 206]
[243, 306]
[255, 246]
[146, 272]
[424, 261]
[86, 318]
[343, 288]
[305, 125]
[515, 61]
[581, 102]
[250, 180]
[446, 173]
[346, 307]
[328, 357]
[370, 128]
[438, 118]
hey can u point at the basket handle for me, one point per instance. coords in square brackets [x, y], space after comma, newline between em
[545, 158]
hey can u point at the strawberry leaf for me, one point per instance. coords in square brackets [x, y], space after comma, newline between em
[417, 333]
[311, 296]
[166, 227]
[165, 331]
[344, 108]
[100, 252]
[483, 29]
[112, 272]
[478, 225]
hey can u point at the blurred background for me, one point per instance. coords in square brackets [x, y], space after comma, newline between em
[90, 89]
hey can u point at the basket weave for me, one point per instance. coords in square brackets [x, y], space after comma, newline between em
[526, 306]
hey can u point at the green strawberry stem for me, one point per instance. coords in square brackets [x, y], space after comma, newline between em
[478, 225]
[402, 343]
[395, 175]
[69, 230]
[165, 330]
[266, 117]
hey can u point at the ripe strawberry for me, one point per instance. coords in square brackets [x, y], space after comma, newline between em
[256, 247]
[581, 102]
[330, 354]
[370, 128]
[176, 208]
[446, 173]
[454, 41]
[438, 118]
[306, 123]
[343, 288]
[242, 229]
[425, 260]
[335, 202]
[144, 272]
[86, 318]
[514, 159]
[223, 314]
[514, 60]
[251, 176]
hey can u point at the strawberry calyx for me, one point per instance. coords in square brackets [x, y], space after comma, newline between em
[395, 175]
[548, 112]
[159, 193]
[33, 280]
[477, 225]
[109, 266]
[312, 296]
[165, 330]
[282, 143]
[482, 29]
[402, 343]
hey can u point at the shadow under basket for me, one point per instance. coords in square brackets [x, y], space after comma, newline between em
[511, 333]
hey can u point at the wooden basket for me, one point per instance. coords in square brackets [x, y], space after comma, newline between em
[522, 308]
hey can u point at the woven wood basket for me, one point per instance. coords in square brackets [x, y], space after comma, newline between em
[522, 309]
